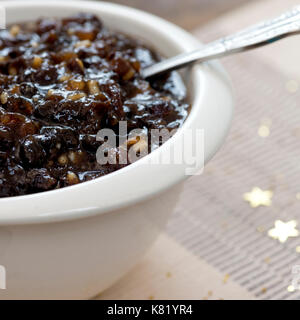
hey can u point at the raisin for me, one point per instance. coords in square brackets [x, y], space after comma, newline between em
[32, 153]
[40, 179]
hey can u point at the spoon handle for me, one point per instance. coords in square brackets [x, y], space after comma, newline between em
[258, 35]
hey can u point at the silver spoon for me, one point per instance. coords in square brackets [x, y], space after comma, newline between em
[258, 35]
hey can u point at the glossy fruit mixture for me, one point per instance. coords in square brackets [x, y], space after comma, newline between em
[61, 81]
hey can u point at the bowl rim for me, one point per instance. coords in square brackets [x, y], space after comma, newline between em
[146, 181]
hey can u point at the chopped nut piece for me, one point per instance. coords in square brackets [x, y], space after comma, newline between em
[77, 96]
[34, 44]
[133, 141]
[50, 92]
[83, 35]
[93, 87]
[63, 159]
[71, 32]
[72, 156]
[141, 146]
[3, 59]
[72, 178]
[83, 43]
[37, 62]
[80, 63]
[14, 30]
[65, 77]
[4, 97]
[76, 85]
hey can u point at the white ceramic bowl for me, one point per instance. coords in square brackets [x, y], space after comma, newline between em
[75, 242]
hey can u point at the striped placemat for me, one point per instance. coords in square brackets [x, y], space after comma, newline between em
[217, 245]
[263, 150]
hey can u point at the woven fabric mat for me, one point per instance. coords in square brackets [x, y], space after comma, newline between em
[216, 245]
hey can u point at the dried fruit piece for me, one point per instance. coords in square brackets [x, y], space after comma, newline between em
[41, 179]
[129, 74]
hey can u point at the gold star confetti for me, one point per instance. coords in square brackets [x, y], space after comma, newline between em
[292, 86]
[168, 274]
[284, 230]
[226, 278]
[263, 290]
[290, 288]
[151, 298]
[263, 131]
[257, 197]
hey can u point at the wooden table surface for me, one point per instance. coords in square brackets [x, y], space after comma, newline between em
[188, 14]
